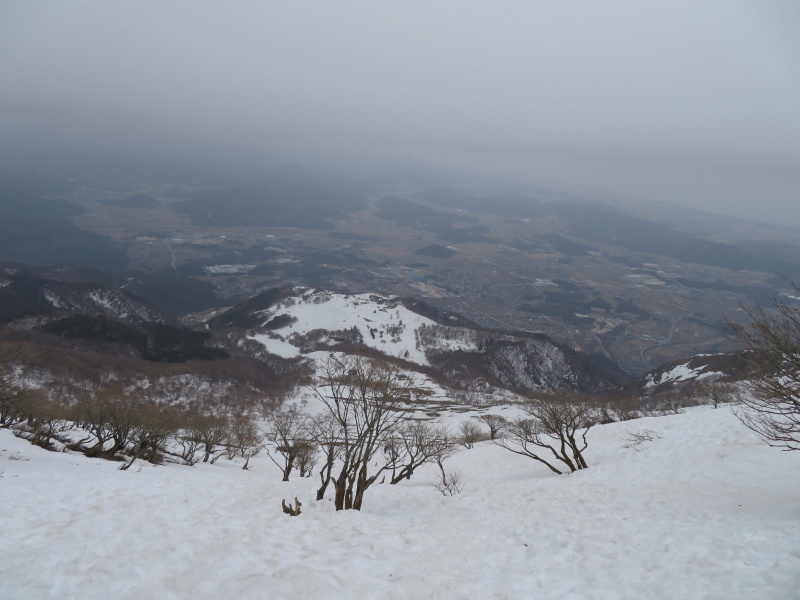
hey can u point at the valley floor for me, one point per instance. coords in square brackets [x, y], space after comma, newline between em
[704, 511]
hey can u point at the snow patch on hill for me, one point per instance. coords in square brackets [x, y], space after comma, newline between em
[382, 323]
[679, 374]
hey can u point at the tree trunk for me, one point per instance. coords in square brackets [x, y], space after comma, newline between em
[137, 454]
[405, 473]
[325, 477]
[340, 485]
[288, 469]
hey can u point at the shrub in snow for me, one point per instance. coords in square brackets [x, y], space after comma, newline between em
[288, 432]
[210, 432]
[244, 439]
[450, 484]
[637, 438]
[495, 424]
[554, 431]
[153, 427]
[470, 434]
[415, 444]
[624, 408]
[771, 402]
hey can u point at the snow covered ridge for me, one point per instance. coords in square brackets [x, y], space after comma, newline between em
[379, 322]
[316, 320]
[701, 510]
[104, 301]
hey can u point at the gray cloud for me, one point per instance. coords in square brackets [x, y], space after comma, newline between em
[688, 101]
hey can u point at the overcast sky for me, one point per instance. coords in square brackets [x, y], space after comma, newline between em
[696, 102]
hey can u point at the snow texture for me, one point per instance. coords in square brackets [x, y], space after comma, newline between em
[703, 511]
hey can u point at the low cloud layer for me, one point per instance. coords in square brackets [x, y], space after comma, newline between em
[689, 102]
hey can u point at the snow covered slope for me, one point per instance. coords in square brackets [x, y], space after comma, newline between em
[681, 373]
[376, 321]
[307, 322]
[697, 369]
[702, 511]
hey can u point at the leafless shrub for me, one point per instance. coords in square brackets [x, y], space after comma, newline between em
[93, 408]
[554, 431]
[719, 393]
[211, 433]
[307, 458]
[12, 396]
[42, 419]
[670, 401]
[495, 424]
[244, 439]
[770, 400]
[12, 401]
[153, 426]
[624, 407]
[450, 484]
[637, 438]
[288, 433]
[414, 445]
[189, 447]
[470, 434]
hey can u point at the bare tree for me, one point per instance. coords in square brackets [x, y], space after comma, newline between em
[554, 431]
[624, 407]
[94, 411]
[307, 458]
[108, 411]
[153, 426]
[668, 401]
[470, 434]
[413, 445]
[718, 393]
[211, 432]
[189, 448]
[771, 395]
[244, 439]
[12, 397]
[451, 480]
[90, 414]
[326, 433]
[288, 431]
[365, 398]
[45, 418]
[495, 424]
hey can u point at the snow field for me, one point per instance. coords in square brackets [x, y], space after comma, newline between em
[705, 511]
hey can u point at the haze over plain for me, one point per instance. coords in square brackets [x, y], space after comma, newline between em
[693, 103]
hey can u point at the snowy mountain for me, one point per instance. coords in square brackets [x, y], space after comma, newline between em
[298, 322]
[132, 296]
